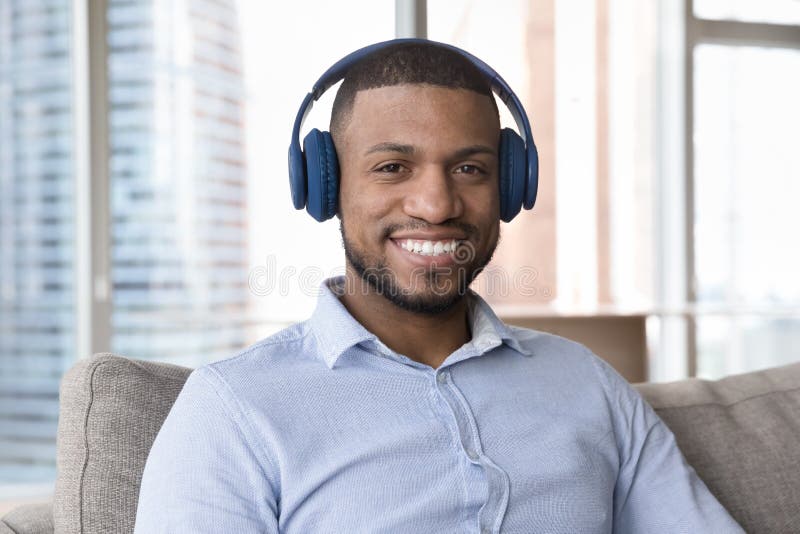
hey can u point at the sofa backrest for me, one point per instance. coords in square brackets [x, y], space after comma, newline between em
[742, 436]
[111, 410]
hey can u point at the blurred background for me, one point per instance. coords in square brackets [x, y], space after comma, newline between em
[145, 207]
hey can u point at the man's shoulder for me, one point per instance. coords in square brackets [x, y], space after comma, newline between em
[547, 345]
[283, 353]
[543, 347]
[553, 357]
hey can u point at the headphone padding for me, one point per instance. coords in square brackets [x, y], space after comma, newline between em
[512, 173]
[322, 171]
[297, 176]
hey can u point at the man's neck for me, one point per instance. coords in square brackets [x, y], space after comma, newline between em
[424, 338]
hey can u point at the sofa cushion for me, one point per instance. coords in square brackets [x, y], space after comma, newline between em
[741, 435]
[111, 410]
[29, 519]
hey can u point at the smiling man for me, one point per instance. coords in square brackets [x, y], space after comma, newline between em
[404, 404]
[419, 209]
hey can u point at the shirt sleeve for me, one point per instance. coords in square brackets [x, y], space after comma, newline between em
[203, 475]
[656, 490]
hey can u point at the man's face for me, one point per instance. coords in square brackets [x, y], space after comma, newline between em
[419, 196]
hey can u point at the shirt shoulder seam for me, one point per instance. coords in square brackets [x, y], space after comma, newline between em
[272, 340]
[240, 421]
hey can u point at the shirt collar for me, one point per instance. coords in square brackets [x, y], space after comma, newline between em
[487, 328]
[337, 331]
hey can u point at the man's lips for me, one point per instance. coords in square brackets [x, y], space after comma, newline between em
[425, 252]
[431, 246]
[428, 247]
[428, 236]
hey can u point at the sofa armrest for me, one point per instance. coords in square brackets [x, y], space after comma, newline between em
[28, 519]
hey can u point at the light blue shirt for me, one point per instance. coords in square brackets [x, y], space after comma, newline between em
[322, 428]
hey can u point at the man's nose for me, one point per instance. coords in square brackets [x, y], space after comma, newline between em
[433, 196]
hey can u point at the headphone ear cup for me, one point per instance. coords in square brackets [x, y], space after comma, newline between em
[512, 173]
[322, 171]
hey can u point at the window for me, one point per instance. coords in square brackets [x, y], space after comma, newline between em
[37, 228]
[745, 177]
[178, 174]
[773, 11]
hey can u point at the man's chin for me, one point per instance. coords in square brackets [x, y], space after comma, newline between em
[425, 291]
[424, 303]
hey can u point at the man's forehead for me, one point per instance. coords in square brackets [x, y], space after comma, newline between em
[413, 98]
[417, 114]
[415, 89]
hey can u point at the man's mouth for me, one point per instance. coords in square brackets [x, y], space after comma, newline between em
[429, 248]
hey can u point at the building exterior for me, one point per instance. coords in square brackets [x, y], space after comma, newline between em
[37, 268]
[178, 180]
[179, 251]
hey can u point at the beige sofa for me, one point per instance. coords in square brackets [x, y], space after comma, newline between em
[741, 434]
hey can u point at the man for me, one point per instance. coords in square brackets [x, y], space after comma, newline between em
[404, 404]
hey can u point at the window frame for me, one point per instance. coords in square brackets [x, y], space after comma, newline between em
[728, 33]
[92, 177]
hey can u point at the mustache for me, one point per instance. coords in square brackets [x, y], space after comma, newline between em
[466, 228]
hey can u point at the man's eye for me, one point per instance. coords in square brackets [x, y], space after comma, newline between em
[390, 168]
[468, 169]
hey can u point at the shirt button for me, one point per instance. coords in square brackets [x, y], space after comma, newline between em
[442, 377]
[485, 531]
[472, 454]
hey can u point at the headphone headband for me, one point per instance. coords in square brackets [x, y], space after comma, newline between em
[339, 70]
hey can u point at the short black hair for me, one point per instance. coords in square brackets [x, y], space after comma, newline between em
[407, 63]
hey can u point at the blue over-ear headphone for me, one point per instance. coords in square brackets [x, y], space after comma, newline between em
[314, 171]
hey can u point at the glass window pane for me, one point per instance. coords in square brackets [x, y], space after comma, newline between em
[737, 344]
[747, 175]
[37, 338]
[772, 11]
[178, 184]
[747, 181]
[496, 32]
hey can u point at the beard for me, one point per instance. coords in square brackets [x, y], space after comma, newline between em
[432, 291]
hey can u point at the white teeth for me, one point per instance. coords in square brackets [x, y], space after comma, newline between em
[429, 248]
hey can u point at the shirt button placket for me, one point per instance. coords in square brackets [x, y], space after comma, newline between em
[497, 479]
[465, 436]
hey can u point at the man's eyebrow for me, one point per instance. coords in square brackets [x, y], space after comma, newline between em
[390, 147]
